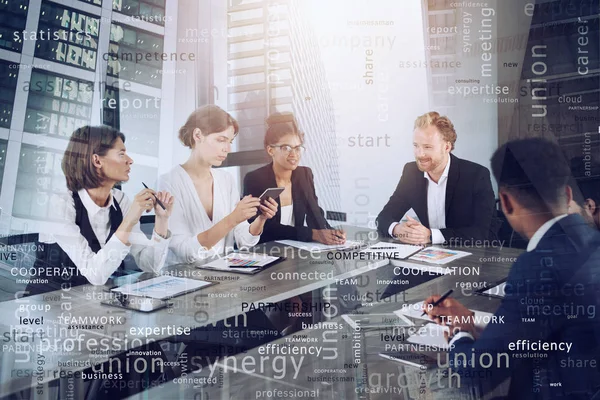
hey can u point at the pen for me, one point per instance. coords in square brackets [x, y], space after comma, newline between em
[438, 302]
[157, 200]
[339, 235]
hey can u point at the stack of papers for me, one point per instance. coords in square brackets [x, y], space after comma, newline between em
[496, 291]
[376, 321]
[393, 250]
[162, 287]
[315, 246]
[415, 310]
[431, 335]
[245, 262]
[438, 255]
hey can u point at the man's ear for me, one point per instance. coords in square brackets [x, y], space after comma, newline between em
[506, 202]
[591, 206]
[569, 194]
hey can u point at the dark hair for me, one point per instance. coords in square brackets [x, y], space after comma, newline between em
[209, 119]
[590, 188]
[77, 164]
[533, 170]
[279, 125]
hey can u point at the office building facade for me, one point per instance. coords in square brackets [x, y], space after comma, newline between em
[274, 66]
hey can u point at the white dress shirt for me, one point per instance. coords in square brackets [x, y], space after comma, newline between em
[189, 217]
[537, 236]
[533, 242]
[149, 255]
[436, 206]
[287, 215]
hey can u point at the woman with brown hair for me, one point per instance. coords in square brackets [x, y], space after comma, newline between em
[209, 215]
[97, 226]
[284, 143]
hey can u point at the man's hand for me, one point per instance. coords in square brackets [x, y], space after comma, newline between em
[412, 232]
[329, 236]
[451, 312]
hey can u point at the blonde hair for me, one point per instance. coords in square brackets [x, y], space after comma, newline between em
[443, 125]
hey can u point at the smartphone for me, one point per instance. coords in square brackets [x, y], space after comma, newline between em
[136, 303]
[272, 193]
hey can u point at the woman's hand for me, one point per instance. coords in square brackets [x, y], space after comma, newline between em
[168, 200]
[143, 201]
[268, 209]
[161, 224]
[245, 209]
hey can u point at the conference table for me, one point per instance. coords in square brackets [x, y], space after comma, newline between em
[27, 368]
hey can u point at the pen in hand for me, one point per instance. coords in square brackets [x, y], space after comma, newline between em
[157, 200]
[439, 301]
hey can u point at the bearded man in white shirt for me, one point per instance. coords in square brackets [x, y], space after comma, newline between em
[452, 198]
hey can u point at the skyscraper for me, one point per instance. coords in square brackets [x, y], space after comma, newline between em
[274, 66]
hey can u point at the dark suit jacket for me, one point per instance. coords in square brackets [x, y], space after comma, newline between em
[470, 202]
[553, 295]
[304, 198]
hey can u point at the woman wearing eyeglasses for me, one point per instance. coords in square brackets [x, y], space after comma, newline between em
[298, 202]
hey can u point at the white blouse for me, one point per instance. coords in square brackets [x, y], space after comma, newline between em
[287, 215]
[189, 218]
[149, 255]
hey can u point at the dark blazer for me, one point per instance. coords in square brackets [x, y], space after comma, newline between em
[304, 198]
[553, 297]
[470, 201]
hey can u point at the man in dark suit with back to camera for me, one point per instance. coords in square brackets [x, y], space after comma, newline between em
[549, 340]
[453, 198]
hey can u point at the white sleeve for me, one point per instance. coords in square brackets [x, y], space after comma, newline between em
[184, 241]
[437, 237]
[241, 233]
[391, 228]
[95, 267]
[149, 254]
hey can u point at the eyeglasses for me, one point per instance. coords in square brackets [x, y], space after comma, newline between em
[286, 148]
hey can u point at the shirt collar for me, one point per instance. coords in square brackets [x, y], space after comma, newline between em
[89, 204]
[444, 174]
[537, 236]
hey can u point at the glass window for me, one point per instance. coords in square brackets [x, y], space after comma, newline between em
[8, 87]
[13, 16]
[245, 15]
[135, 55]
[57, 104]
[145, 10]
[37, 179]
[94, 2]
[137, 116]
[3, 146]
[69, 36]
